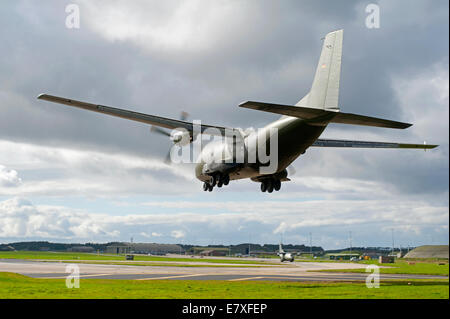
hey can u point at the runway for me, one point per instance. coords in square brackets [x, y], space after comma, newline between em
[297, 271]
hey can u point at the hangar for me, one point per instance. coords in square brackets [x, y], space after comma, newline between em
[144, 248]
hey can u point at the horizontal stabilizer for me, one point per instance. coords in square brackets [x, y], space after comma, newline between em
[366, 144]
[322, 117]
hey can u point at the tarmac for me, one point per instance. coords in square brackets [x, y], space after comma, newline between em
[296, 271]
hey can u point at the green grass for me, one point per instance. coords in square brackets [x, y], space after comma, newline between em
[45, 255]
[403, 267]
[19, 286]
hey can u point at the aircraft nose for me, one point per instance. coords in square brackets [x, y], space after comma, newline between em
[199, 172]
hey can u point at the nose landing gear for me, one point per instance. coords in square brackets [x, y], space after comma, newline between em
[216, 179]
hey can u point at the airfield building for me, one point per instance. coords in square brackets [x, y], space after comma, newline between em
[144, 248]
[213, 252]
[342, 256]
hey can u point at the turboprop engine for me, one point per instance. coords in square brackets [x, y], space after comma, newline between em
[180, 138]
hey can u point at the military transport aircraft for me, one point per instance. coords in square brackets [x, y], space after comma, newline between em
[298, 129]
[284, 256]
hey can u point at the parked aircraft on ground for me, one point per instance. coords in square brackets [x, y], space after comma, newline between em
[284, 256]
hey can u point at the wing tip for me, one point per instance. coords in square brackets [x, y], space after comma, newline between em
[244, 104]
[406, 125]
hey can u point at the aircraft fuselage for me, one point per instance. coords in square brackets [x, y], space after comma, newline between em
[294, 137]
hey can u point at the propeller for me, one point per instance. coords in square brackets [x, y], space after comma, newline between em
[158, 130]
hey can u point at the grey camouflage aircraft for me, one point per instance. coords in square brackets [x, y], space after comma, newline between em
[298, 129]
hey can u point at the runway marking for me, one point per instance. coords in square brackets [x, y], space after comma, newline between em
[247, 278]
[61, 277]
[170, 277]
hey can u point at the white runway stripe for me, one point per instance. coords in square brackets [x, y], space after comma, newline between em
[170, 277]
[247, 278]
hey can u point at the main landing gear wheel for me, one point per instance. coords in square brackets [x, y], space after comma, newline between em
[219, 180]
[270, 185]
[226, 179]
[277, 185]
[213, 180]
[263, 187]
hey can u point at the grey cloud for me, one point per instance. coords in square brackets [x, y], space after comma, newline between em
[267, 51]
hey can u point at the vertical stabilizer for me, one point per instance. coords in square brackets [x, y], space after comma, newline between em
[324, 92]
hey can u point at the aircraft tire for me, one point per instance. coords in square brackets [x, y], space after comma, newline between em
[263, 186]
[226, 179]
[205, 186]
[210, 188]
[213, 180]
[269, 186]
[277, 185]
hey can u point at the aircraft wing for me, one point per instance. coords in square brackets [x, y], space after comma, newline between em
[139, 117]
[366, 144]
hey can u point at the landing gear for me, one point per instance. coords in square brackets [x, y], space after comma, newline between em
[226, 179]
[277, 185]
[213, 180]
[219, 180]
[216, 179]
[263, 187]
[269, 185]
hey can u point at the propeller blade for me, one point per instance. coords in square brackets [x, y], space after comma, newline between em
[156, 129]
[184, 116]
[167, 160]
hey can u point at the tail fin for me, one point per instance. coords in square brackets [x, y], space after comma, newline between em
[324, 92]
[281, 251]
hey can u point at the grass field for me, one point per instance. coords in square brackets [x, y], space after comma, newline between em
[19, 286]
[403, 267]
[43, 255]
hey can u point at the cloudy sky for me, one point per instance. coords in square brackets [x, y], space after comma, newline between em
[68, 175]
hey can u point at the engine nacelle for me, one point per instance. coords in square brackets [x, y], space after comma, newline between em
[180, 138]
